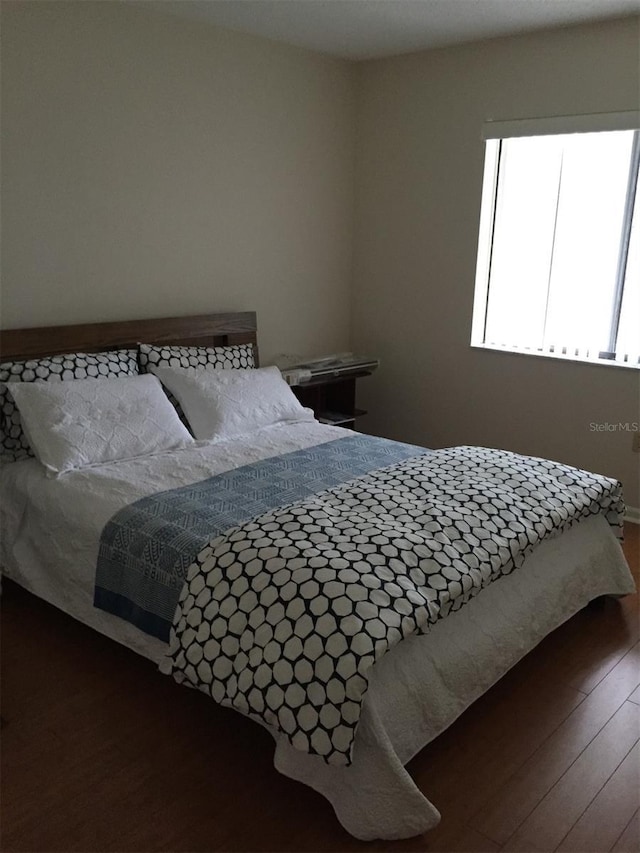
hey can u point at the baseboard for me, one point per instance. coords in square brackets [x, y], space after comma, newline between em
[632, 514]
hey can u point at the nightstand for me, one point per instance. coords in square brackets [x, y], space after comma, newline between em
[332, 397]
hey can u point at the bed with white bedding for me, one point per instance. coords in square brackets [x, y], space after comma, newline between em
[52, 531]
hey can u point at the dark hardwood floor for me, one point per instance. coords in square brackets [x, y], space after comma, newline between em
[102, 753]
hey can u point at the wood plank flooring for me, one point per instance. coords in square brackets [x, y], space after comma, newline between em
[101, 753]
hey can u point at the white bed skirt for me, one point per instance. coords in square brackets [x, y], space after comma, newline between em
[421, 686]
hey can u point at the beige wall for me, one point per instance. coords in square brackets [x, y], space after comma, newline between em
[153, 166]
[419, 173]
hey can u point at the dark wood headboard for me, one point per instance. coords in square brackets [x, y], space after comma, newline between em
[197, 330]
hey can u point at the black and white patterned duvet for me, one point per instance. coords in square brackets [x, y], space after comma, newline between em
[283, 617]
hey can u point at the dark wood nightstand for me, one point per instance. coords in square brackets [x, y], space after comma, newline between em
[332, 398]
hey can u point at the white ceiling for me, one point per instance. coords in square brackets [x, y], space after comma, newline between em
[365, 29]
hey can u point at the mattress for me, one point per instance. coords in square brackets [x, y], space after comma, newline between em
[51, 530]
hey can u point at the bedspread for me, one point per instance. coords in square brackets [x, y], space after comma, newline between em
[283, 617]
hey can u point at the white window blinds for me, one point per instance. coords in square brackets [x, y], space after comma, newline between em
[558, 268]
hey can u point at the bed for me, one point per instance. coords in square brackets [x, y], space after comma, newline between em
[51, 545]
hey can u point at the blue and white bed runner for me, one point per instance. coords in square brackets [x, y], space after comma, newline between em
[147, 547]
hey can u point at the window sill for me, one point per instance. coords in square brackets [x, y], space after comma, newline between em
[598, 362]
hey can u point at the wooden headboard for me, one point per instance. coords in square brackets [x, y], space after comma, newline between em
[197, 330]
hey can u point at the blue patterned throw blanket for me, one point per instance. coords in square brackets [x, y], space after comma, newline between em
[147, 547]
[283, 616]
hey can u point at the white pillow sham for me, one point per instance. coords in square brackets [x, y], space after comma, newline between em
[224, 404]
[235, 357]
[49, 368]
[73, 425]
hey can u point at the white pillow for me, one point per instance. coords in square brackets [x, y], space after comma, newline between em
[223, 404]
[76, 424]
[53, 368]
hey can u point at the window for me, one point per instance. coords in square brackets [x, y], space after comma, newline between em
[558, 269]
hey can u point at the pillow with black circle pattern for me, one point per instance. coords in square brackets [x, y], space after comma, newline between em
[236, 356]
[14, 444]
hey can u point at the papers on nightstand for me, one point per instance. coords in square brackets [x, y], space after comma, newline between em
[332, 365]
